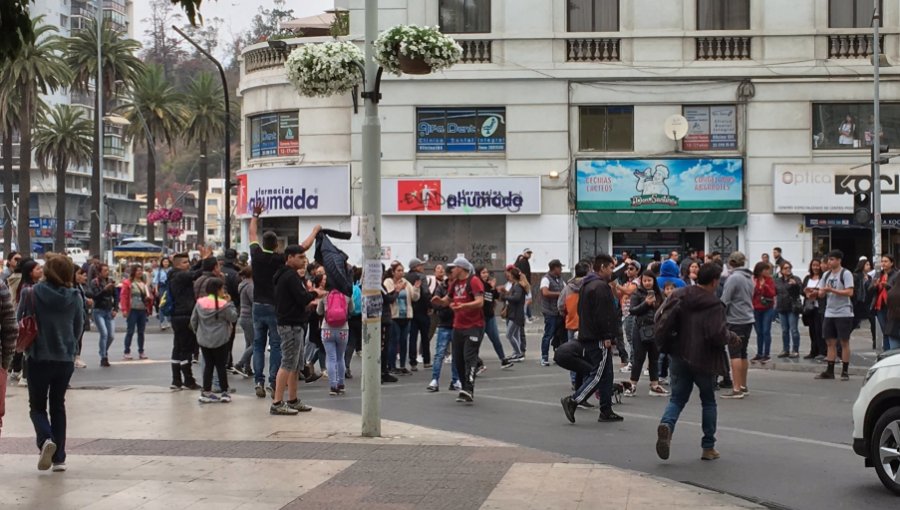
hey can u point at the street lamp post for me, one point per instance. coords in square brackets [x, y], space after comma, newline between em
[876, 142]
[100, 145]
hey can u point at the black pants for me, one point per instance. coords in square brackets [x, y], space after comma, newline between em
[466, 343]
[592, 359]
[354, 340]
[385, 346]
[215, 358]
[645, 350]
[229, 362]
[568, 356]
[183, 345]
[419, 326]
[817, 343]
[47, 384]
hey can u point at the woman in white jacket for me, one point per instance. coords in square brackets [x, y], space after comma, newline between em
[401, 313]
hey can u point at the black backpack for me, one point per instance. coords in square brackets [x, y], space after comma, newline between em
[665, 323]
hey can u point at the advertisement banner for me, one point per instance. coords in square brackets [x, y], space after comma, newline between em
[830, 188]
[461, 195]
[697, 138]
[288, 139]
[723, 127]
[659, 184]
[295, 191]
[460, 130]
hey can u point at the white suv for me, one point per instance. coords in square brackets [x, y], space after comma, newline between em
[876, 420]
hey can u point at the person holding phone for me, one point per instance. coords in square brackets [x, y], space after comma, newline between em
[836, 286]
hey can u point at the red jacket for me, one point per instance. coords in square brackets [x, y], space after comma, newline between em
[125, 298]
[764, 291]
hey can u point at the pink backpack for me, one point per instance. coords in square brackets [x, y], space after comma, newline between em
[336, 309]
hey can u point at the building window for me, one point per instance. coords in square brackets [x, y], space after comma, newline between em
[63, 21]
[467, 129]
[211, 201]
[723, 14]
[852, 125]
[593, 15]
[210, 231]
[210, 217]
[274, 134]
[465, 16]
[852, 13]
[215, 191]
[606, 128]
[711, 128]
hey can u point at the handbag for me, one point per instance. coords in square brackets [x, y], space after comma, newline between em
[646, 332]
[809, 312]
[28, 327]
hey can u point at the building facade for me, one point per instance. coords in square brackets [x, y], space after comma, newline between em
[646, 125]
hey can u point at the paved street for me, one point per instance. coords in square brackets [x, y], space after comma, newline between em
[786, 445]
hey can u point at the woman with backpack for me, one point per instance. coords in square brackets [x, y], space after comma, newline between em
[788, 307]
[336, 309]
[135, 301]
[644, 303]
[212, 319]
[763, 309]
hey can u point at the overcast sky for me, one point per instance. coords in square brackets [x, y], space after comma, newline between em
[236, 13]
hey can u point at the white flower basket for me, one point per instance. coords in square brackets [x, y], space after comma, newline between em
[324, 69]
[413, 49]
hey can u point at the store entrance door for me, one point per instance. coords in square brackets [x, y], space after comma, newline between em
[648, 246]
[853, 242]
[481, 239]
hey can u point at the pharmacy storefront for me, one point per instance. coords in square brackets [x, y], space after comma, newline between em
[653, 206]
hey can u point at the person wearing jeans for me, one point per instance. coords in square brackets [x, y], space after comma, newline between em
[335, 335]
[135, 301]
[551, 287]
[763, 309]
[788, 288]
[103, 292]
[265, 329]
[103, 319]
[136, 319]
[682, 379]
[444, 337]
[515, 312]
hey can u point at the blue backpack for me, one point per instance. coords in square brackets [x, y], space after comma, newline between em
[166, 303]
[357, 301]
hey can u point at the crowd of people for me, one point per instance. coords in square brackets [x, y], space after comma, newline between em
[680, 323]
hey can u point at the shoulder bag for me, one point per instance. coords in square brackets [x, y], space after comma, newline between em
[28, 327]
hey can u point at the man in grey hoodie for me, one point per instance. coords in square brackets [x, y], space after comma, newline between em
[738, 298]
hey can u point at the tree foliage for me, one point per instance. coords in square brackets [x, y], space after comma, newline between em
[16, 30]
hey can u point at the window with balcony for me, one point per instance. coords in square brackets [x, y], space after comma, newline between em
[852, 13]
[710, 128]
[465, 16]
[852, 125]
[723, 14]
[112, 146]
[467, 129]
[211, 201]
[606, 128]
[593, 15]
[274, 135]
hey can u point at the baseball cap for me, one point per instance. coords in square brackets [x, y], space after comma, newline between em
[510, 266]
[462, 263]
[231, 254]
[415, 262]
[737, 259]
[527, 250]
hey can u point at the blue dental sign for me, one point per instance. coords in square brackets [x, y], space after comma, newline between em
[464, 129]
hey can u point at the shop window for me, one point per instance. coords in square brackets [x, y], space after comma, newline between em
[274, 135]
[593, 15]
[465, 16]
[723, 14]
[852, 13]
[606, 128]
[711, 128]
[852, 125]
[454, 130]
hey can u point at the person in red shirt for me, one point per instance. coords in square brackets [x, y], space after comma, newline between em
[763, 309]
[466, 298]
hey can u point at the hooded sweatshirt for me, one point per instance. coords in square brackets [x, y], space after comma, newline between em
[669, 272]
[291, 297]
[738, 297]
[245, 290]
[568, 303]
[702, 330]
[60, 320]
[597, 311]
[212, 323]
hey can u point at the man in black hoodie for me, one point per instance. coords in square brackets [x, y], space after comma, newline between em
[292, 300]
[181, 290]
[597, 329]
[231, 274]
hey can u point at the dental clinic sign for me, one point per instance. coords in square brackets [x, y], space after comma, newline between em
[830, 188]
[461, 195]
[295, 191]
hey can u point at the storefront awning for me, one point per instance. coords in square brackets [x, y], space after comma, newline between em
[668, 219]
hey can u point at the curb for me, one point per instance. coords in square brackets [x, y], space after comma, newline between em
[812, 369]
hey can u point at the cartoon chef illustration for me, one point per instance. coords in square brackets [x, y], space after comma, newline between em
[652, 181]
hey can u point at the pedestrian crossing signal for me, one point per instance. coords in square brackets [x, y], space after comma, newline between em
[862, 208]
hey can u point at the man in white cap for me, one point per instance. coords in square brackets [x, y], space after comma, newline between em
[466, 298]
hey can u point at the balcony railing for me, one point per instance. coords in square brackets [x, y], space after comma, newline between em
[265, 58]
[593, 50]
[723, 48]
[476, 51]
[852, 45]
[116, 152]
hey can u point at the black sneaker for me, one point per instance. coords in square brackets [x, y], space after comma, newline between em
[175, 386]
[569, 406]
[506, 363]
[104, 362]
[260, 391]
[193, 386]
[663, 440]
[825, 375]
[404, 371]
[845, 376]
[313, 377]
[586, 405]
[388, 378]
[414, 367]
[726, 385]
[465, 396]
[609, 416]
[348, 374]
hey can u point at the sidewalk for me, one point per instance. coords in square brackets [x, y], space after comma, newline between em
[148, 448]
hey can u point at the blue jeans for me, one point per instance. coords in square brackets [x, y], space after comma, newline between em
[335, 341]
[493, 333]
[444, 336]
[763, 327]
[138, 319]
[399, 341]
[47, 383]
[551, 323]
[265, 322]
[888, 342]
[681, 382]
[103, 320]
[790, 334]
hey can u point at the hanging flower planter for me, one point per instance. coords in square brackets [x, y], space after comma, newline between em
[324, 69]
[412, 49]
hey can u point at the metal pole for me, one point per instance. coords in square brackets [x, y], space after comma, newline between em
[100, 140]
[371, 230]
[227, 132]
[876, 146]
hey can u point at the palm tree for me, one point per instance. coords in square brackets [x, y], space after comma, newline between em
[9, 122]
[206, 104]
[156, 111]
[118, 62]
[39, 69]
[63, 137]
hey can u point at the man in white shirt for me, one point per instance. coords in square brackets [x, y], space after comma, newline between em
[837, 287]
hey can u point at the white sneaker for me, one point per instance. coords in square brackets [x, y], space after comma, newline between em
[457, 386]
[626, 369]
[48, 449]
[60, 467]
[23, 382]
[79, 363]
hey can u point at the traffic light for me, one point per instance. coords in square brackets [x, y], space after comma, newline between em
[862, 207]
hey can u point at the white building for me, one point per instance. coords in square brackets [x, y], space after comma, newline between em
[581, 91]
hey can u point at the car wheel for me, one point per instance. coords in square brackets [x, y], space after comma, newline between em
[885, 453]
